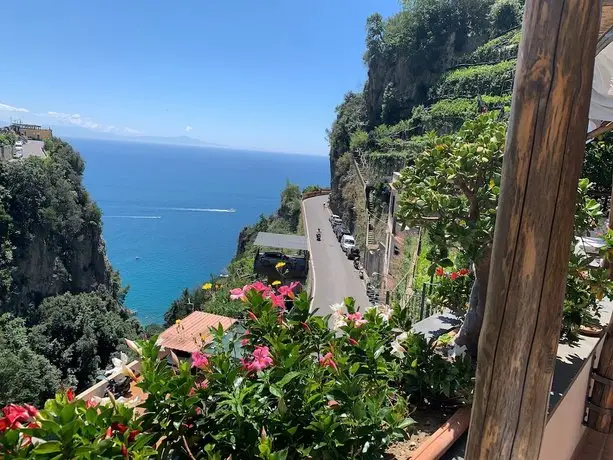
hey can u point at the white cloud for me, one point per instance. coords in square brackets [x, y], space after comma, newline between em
[75, 119]
[86, 122]
[10, 108]
[188, 128]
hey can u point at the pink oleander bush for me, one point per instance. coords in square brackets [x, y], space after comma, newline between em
[285, 385]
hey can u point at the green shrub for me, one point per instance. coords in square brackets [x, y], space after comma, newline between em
[505, 15]
[499, 49]
[293, 389]
[490, 79]
[448, 115]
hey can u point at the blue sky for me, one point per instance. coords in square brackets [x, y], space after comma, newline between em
[259, 75]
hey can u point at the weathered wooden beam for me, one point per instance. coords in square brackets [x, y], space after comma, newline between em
[602, 129]
[534, 228]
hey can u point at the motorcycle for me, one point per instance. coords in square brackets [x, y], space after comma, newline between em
[318, 235]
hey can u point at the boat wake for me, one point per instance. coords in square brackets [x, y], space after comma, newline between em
[132, 217]
[201, 209]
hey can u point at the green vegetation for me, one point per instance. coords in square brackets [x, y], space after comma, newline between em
[452, 190]
[212, 296]
[410, 50]
[63, 305]
[25, 375]
[299, 390]
[499, 49]
[490, 79]
[598, 167]
[8, 138]
[505, 15]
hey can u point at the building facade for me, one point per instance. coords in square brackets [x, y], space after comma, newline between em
[32, 132]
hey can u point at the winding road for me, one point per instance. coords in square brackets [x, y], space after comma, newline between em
[334, 277]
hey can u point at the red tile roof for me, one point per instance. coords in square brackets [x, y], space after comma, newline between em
[193, 331]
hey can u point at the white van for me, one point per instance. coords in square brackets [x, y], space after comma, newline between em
[347, 242]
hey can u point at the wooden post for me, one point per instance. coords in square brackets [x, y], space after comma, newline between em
[534, 227]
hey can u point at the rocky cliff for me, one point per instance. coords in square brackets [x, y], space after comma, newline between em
[50, 231]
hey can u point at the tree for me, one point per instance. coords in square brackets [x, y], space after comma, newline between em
[291, 202]
[505, 15]
[25, 376]
[598, 167]
[350, 117]
[79, 333]
[374, 37]
[453, 190]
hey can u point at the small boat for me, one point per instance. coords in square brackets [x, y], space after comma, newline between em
[137, 258]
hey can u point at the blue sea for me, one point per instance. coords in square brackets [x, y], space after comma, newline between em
[167, 209]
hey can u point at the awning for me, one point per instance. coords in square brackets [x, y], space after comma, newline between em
[281, 241]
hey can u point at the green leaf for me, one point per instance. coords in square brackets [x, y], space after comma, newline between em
[67, 413]
[287, 378]
[276, 391]
[48, 447]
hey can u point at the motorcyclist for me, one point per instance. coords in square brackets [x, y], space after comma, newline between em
[318, 233]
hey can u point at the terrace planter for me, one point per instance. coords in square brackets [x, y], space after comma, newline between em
[442, 439]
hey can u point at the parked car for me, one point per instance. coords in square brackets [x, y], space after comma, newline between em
[353, 253]
[347, 242]
[335, 220]
[19, 144]
[340, 231]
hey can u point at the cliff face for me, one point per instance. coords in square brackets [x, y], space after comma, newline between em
[50, 231]
[44, 270]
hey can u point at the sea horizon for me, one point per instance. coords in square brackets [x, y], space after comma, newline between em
[172, 214]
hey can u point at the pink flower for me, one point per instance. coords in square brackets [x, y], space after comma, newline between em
[333, 403]
[32, 411]
[357, 319]
[353, 342]
[244, 342]
[328, 361]
[91, 403]
[202, 385]
[454, 275]
[260, 287]
[259, 360]
[200, 360]
[70, 395]
[252, 316]
[238, 294]
[305, 326]
[463, 272]
[277, 300]
[15, 414]
[245, 364]
[289, 290]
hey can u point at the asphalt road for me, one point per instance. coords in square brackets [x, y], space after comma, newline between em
[333, 274]
[33, 148]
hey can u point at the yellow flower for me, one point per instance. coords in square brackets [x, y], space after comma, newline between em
[280, 265]
[177, 322]
[276, 283]
[207, 286]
